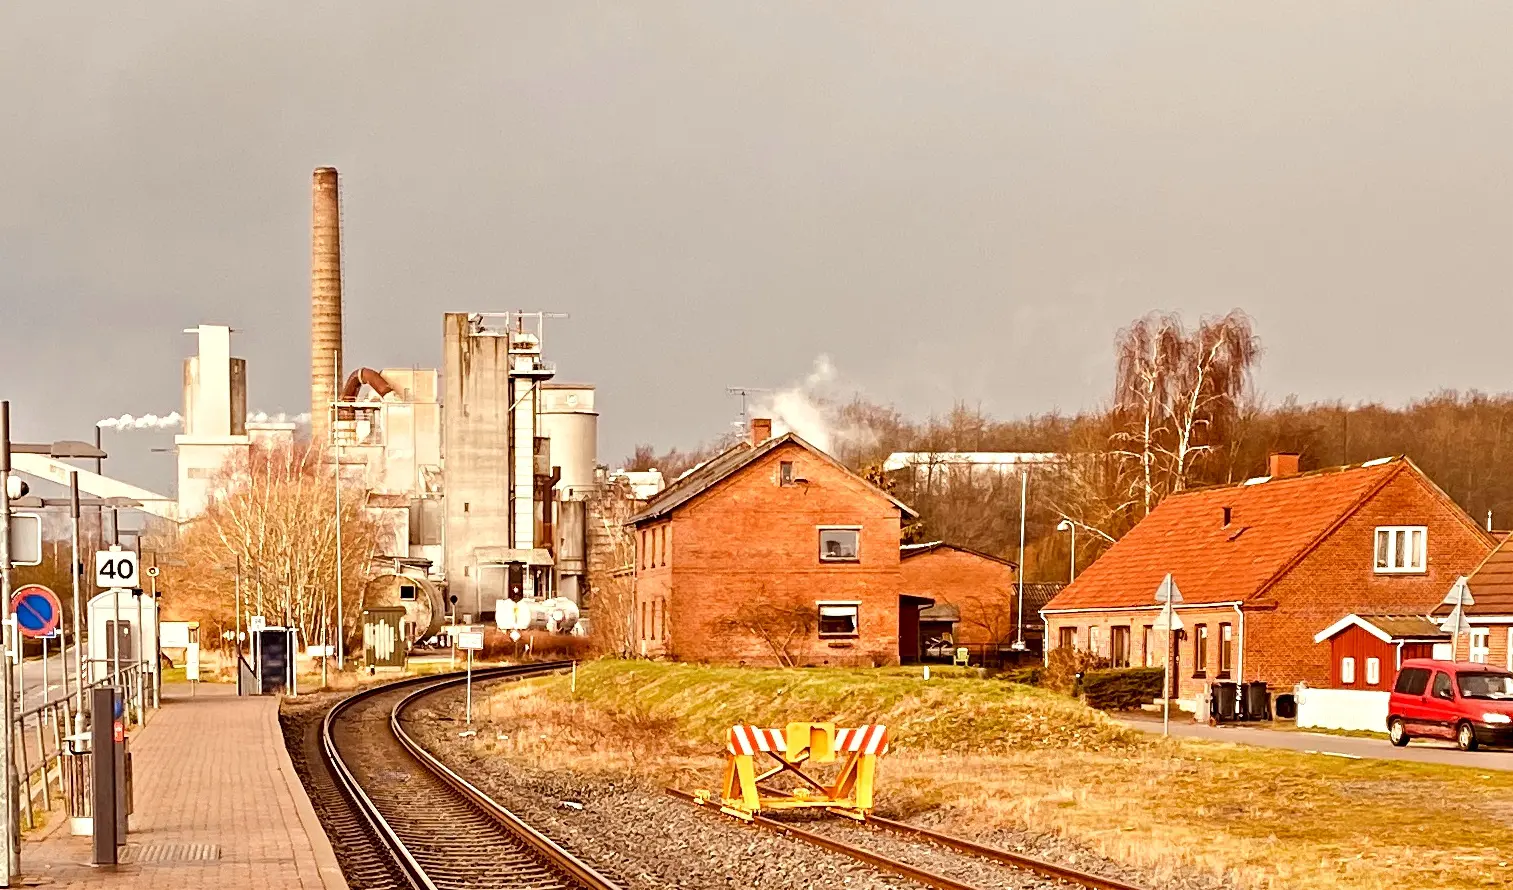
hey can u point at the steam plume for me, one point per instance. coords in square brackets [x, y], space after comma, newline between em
[174, 420]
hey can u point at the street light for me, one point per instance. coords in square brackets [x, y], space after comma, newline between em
[10, 849]
[1067, 525]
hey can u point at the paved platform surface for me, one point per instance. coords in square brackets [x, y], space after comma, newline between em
[1418, 750]
[218, 804]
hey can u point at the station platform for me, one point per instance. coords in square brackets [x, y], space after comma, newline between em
[217, 804]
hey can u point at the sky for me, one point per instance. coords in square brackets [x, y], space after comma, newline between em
[949, 201]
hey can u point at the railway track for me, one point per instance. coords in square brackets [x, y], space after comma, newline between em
[1041, 868]
[424, 826]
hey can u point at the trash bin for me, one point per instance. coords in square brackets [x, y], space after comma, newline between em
[1257, 704]
[1225, 702]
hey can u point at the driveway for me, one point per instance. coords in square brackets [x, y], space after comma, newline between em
[1420, 751]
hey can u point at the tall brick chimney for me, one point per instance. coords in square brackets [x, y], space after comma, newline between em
[1282, 463]
[761, 430]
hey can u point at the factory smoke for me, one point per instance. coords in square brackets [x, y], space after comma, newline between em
[173, 420]
[802, 407]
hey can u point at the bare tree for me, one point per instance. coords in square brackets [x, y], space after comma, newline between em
[611, 569]
[780, 623]
[271, 529]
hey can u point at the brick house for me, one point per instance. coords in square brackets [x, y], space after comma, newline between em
[773, 551]
[1264, 565]
[975, 594]
[1487, 635]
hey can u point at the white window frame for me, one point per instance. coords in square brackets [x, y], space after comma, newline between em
[1347, 671]
[1480, 654]
[819, 533]
[854, 607]
[1392, 541]
[1092, 639]
[1373, 672]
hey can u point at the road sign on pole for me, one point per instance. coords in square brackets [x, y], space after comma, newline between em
[116, 568]
[470, 641]
[1168, 595]
[37, 611]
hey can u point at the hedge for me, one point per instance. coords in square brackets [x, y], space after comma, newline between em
[1122, 690]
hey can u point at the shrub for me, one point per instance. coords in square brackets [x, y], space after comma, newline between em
[1063, 665]
[1123, 689]
[1029, 676]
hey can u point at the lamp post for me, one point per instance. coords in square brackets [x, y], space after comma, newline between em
[1067, 525]
[1024, 493]
[10, 838]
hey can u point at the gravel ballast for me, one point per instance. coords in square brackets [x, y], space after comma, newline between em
[655, 841]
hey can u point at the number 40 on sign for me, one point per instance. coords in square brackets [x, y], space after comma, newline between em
[115, 568]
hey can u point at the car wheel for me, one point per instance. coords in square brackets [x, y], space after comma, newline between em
[1397, 732]
[1465, 737]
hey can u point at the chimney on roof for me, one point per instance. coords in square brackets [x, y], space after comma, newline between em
[761, 430]
[1282, 463]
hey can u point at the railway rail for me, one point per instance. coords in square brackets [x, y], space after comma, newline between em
[1031, 864]
[436, 830]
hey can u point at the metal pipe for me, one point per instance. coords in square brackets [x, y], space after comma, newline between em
[10, 862]
[73, 521]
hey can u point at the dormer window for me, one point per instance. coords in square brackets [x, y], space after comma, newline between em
[1401, 549]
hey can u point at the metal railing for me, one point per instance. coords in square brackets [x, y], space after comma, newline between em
[40, 733]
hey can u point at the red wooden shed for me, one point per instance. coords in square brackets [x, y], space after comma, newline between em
[1365, 651]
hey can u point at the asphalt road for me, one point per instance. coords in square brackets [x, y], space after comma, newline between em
[31, 679]
[1419, 750]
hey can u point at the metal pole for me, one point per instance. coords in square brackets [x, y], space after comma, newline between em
[1166, 681]
[470, 687]
[115, 638]
[157, 641]
[73, 512]
[10, 862]
[1024, 487]
[141, 659]
[1073, 576]
[336, 446]
[44, 673]
[238, 589]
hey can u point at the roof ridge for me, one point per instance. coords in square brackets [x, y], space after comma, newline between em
[1316, 473]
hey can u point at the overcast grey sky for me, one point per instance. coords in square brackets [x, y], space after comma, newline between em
[953, 200]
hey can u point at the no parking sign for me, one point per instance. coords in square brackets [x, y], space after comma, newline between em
[36, 610]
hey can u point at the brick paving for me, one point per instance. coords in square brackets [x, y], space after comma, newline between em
[210, 771]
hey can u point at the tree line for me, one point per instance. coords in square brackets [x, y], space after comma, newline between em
[1181, 412]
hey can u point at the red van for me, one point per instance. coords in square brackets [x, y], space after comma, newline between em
[1470, 703]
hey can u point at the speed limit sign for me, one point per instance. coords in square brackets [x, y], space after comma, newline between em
[116, 568]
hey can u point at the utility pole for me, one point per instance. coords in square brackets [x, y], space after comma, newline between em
[1024, 494]
[336, 452]
[10, 862]
[73, 522]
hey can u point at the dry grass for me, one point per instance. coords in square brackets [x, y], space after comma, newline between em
[978, 755]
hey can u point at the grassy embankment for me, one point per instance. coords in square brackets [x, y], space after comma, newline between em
[980, 754]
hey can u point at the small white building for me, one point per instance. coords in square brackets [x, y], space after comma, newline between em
[124, 620]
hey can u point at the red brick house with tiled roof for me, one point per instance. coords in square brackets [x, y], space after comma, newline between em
[773, 552]
[1488, 637]
[1264, 565]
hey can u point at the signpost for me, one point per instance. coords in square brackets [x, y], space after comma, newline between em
[471, 641]
[1168, 595]
[1455, 623]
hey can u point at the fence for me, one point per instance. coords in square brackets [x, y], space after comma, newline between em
[985, 655]
[40, 732]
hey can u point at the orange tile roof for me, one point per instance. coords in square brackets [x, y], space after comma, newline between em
[1491, 584]
[1273, 523]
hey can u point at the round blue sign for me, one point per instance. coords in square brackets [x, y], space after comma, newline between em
[36, 609]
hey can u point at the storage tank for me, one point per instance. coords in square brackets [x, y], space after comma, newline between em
[569, 420]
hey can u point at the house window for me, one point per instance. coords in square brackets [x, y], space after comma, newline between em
[1373, 672]
[1200, 650]
[1118, 646]
[663, 633]
[643, 549]
[1092, 640]
[645, 625]
[1067, 638]
[1510, 649]
[785, 472]
[1481, 644]
[1347, 670]
[1226, 650]
[1400, 548]
[1148, 643]
[839, 619]
[841, 544]
[664, 545]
